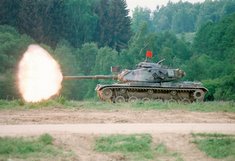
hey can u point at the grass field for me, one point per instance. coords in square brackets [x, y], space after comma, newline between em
[31, 148]
[95, 104]
[136, 147]
[141, 147]
[217, 146]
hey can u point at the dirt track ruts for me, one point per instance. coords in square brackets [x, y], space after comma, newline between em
[74, 116]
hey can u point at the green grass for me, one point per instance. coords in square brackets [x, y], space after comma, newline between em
[61, 102]
[197, 106]
[218, 146]
[6, 104]
[161, 149]
[124, 143]
[20, 104]
[24, 148]
[134, 147]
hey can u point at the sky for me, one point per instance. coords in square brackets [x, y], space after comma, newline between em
[151, 4]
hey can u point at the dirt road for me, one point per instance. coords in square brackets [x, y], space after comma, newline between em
[154, 128]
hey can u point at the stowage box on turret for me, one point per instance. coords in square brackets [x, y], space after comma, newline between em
[149, 81]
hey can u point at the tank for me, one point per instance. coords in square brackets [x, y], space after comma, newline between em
[148, 81]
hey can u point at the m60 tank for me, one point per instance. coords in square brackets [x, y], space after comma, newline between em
[149, 81]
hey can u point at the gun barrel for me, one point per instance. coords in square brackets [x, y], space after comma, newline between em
[90, 77]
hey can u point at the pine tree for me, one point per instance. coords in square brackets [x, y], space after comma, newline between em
[103, 13]
[9, 11]
[41, 20]
[120, 21]
[79, 24]
[114, 24]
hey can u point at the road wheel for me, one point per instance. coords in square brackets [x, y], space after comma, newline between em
[159, 100]
[172, 100]
[132, 99]
[150, 91]
[106, 93]
[123, 91]
[145, 99]
[119, 99]
[173, 93]
[185, 101]
[199, 95]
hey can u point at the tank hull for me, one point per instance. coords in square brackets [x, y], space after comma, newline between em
[186, 92]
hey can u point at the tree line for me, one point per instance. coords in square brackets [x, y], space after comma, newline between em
[87, 37]
[182, 17]
[77, 21]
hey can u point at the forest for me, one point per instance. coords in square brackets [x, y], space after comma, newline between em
[88, 37]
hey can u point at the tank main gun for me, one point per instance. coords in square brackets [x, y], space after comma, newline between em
[114, 77]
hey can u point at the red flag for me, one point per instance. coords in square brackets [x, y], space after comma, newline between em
[149, 54]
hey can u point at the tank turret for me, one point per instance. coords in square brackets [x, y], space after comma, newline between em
[151, 73]
[148, 81]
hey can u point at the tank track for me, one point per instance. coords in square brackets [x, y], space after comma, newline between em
[123, 93]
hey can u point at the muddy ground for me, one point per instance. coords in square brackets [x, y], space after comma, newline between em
[83, 145]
